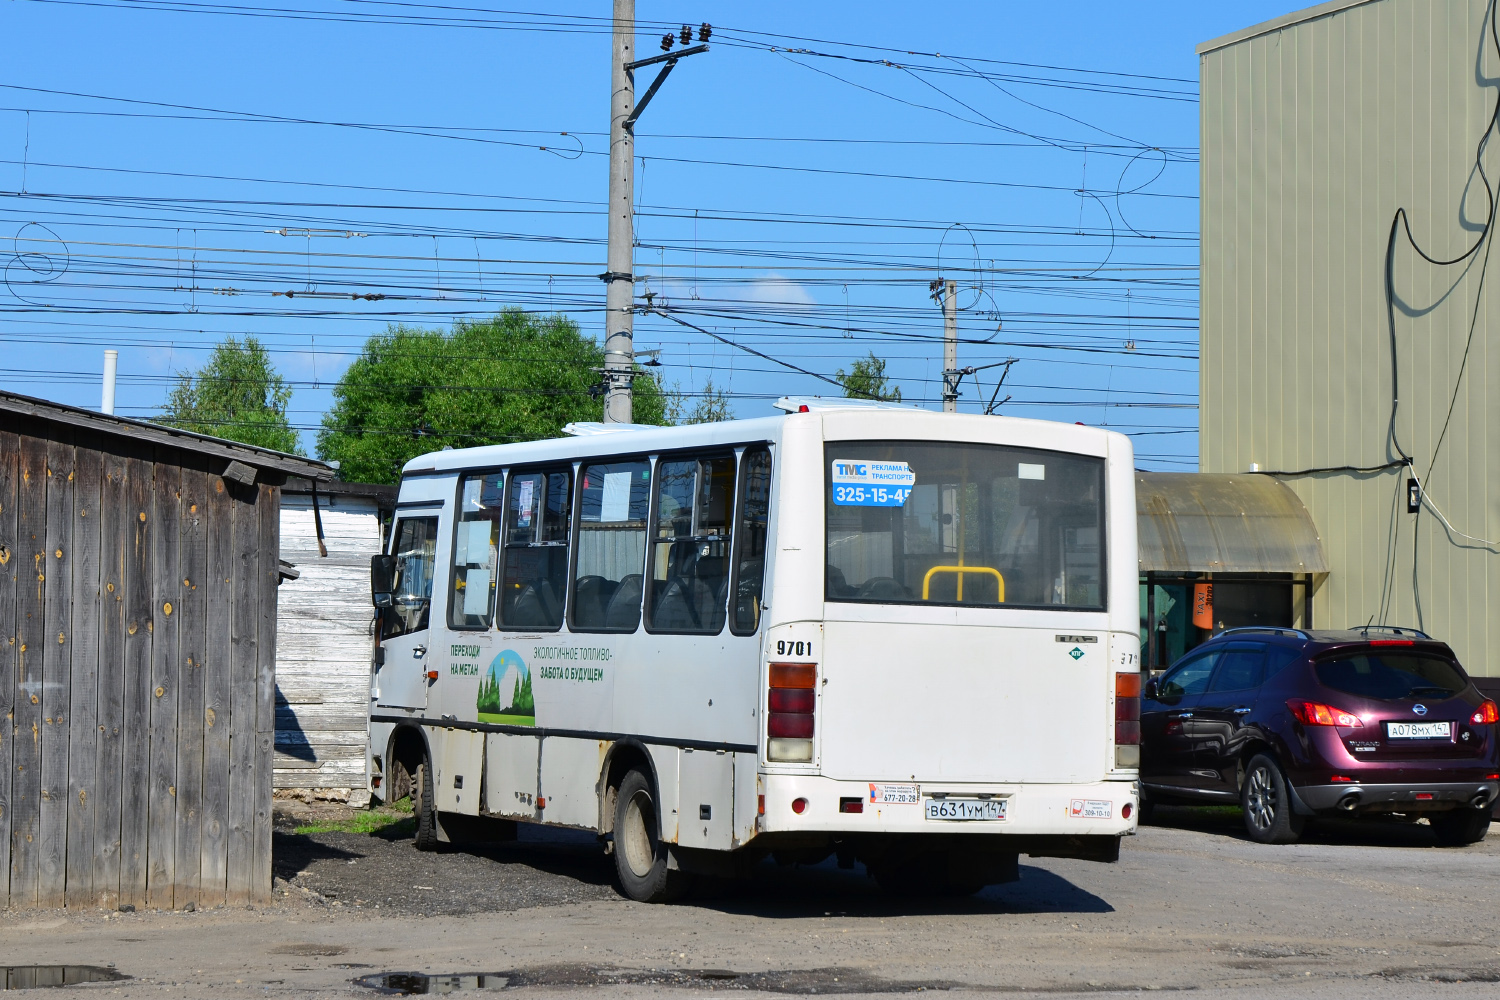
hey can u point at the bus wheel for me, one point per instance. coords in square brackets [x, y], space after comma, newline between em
[422, 805]
[640, 856]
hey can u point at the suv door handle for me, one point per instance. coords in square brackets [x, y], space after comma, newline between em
[417, 652]
[1243, 711]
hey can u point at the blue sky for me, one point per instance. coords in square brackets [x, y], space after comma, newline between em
[795, 202]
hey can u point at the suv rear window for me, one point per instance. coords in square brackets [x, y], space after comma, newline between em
[1392, 676]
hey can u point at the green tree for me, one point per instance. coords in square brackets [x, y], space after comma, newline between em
[711, 407]
[238, 395]
[866, 379]
[515, 377]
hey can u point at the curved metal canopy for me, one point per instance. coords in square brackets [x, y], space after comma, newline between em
[1193, 522]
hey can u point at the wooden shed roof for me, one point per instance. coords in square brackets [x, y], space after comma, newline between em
[144, 431]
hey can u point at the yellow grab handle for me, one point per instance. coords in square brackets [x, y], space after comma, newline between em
[961, 570]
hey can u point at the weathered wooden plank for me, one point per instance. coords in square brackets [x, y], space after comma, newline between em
[218, 699]
[57, 599]
[116, 520]
[166, 587]
[83, 683]
[26, 748]
[10, 565]
[244, 631]
[140, 472]
[192, 643]
[269, 553]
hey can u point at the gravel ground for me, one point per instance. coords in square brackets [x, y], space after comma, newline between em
[1351, 912]
[543, 868]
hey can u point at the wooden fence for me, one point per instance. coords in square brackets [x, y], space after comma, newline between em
[137, 666]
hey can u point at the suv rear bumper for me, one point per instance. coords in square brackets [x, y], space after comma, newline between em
[1401, 797]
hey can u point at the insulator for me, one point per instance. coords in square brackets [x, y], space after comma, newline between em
[704, 31]
[685, 35]
[667, 42]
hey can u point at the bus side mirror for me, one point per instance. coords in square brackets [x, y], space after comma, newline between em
[382, 580]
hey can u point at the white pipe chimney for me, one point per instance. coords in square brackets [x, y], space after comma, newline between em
[111, 363]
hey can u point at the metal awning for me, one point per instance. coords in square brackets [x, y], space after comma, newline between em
[1190, 522]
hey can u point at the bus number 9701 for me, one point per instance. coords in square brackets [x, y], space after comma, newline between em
[784, 648]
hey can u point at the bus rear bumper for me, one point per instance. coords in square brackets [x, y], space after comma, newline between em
[1085, 809]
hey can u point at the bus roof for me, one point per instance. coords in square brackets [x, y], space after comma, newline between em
[589, 440]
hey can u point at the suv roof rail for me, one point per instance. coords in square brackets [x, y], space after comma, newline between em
[1392, 629]
[1277, 629]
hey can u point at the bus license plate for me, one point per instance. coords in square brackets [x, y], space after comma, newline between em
[966, 809]
[1419, 730]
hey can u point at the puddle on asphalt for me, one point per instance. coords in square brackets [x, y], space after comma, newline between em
[802, 981]
[32, 977]
[408, 984]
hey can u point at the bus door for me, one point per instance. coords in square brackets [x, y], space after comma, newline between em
[401, 678]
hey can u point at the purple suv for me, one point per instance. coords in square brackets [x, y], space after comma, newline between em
[1293, 724]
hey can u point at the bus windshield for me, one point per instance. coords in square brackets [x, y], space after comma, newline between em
[969, 524]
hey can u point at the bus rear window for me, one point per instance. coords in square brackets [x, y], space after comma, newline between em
[970, 524]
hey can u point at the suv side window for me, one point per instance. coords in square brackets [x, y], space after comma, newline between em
[1241, 668]
[1188, 678]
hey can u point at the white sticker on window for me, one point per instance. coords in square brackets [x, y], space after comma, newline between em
[525, 492]
[871, 484]
[477, 543]
[477, 592]
[614, 505]
[1024, 471]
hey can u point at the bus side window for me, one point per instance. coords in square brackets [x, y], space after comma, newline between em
[612, 506]
[690, 545]
[535, 574]
[476, 537]
[416, 552]
[750, 540]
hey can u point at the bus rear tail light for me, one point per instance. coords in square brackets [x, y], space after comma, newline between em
[1128, 719]
[789, 712]
[1310, 713]
[1488, 712]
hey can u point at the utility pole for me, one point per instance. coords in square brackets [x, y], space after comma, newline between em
[951, 374]
[619, 278]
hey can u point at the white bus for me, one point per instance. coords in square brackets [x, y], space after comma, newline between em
[905, 638]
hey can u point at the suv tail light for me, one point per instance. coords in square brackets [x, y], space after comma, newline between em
[789, 712]
[1488, 712]
[1128, 719]
[1310, 713]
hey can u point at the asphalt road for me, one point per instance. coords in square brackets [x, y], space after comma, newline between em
[1353, 911]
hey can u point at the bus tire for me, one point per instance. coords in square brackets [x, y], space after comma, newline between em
[640, 855]
[422, 806]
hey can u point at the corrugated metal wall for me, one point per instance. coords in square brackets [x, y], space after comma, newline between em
[1313, 134]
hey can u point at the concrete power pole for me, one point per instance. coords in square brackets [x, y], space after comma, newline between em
[951, 374]
[619, 278]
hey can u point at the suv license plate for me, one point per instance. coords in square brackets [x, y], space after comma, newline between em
[1419, 730]
[966, 809]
